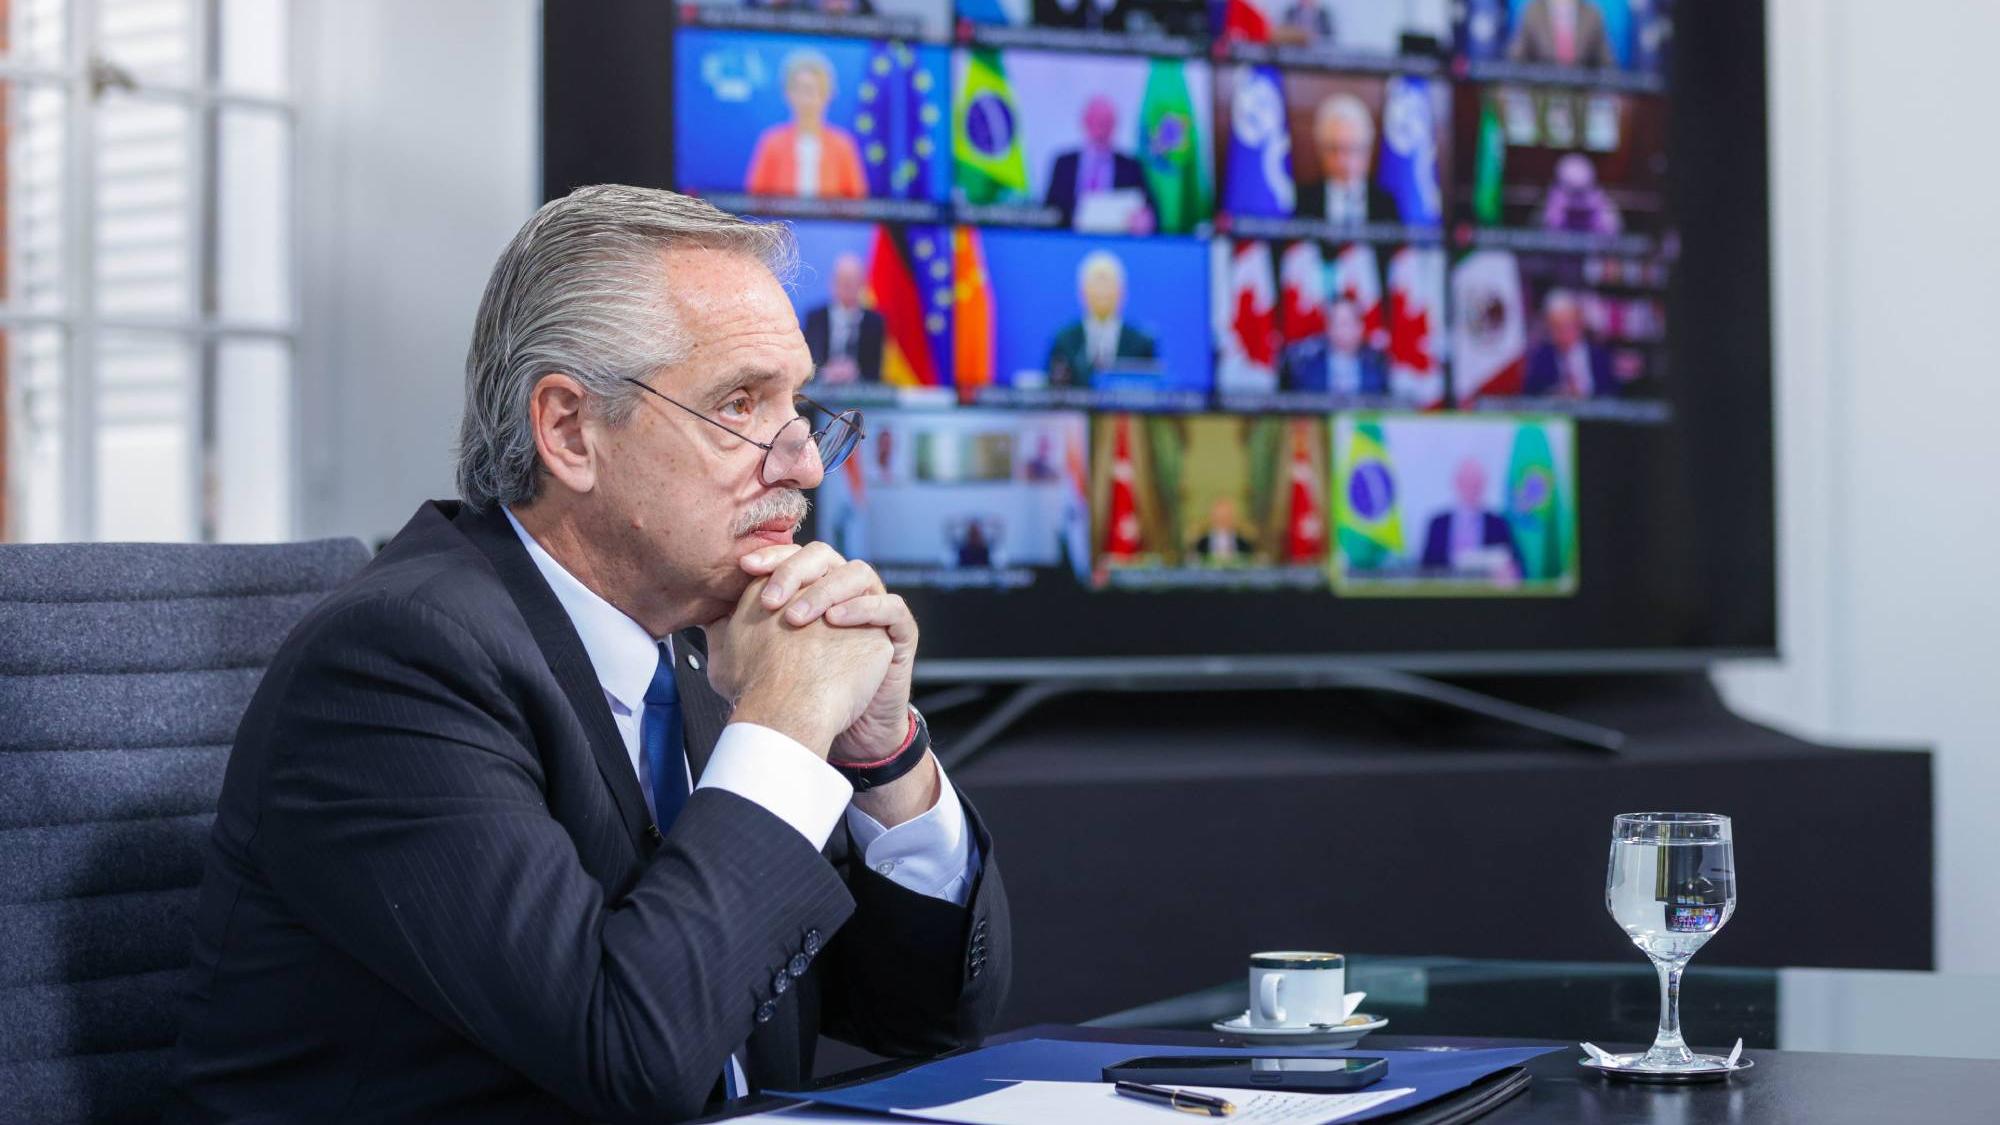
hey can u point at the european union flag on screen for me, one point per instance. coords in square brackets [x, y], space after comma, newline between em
[1409, 167]
[1259, 167]
[899, 104]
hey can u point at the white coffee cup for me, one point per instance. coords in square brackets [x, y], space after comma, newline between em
[1297, 989]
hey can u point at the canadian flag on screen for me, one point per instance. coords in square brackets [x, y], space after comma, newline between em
[1305, 540]
[1250, 338]
[1416, 326]
[1245, 21]
[1357, 279]
[1121, 524]
[1302, 297]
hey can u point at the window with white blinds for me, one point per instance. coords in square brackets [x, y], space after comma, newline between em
[147, 320]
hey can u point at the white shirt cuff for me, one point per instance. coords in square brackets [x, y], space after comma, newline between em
[772, 770]
[932, 854]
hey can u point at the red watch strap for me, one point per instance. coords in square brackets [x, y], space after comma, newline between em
[909, 736]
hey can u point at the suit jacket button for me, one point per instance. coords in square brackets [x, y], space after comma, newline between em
[780, 982]
[798, 964]
[765, 1011]
[979, 931]
[653, 833]
[694, 662]
[977, 968]
[812, 943]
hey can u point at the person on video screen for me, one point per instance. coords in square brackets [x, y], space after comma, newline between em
[1575, 201]
[1091, 15]
[1338, 360]
[1344, 141]
[1097, 174]
[1305, 23]
[1469, 537]
[1567, 363]
[1564, 32]
[1222, 542]
[807, 157]
[974, 551]
[1099, 340]
[822, 7]
[1042, 462]
[844, 338]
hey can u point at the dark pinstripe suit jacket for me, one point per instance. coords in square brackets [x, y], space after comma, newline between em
[433, 893]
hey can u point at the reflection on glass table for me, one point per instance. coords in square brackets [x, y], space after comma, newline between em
[1865, 1011]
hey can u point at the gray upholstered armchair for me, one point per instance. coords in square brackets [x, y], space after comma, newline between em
[124, 669]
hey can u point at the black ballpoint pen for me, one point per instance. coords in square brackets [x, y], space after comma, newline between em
[1183, 1100]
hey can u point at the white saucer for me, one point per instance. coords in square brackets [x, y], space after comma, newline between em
[1313, 1035]
[1715, 1069]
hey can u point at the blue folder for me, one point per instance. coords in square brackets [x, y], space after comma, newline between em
[1432, 1074]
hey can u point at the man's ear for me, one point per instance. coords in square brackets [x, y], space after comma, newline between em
[562, 444]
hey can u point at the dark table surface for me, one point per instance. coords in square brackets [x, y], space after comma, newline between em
[1863, 1011]
[1881, 1043]
[1809, 1088]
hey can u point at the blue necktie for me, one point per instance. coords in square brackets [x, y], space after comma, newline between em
[660, 742]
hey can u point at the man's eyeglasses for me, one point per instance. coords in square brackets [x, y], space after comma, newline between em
[790, 452]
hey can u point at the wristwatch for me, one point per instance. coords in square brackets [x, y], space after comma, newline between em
[873, 775]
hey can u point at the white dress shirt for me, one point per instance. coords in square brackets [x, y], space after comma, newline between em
[1346, 203]
[843, 331]
[1576, 371]
[1343, 372]
[932, 854]
[805, 150]
[1100, 341]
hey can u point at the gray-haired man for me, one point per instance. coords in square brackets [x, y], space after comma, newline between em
[594, 795]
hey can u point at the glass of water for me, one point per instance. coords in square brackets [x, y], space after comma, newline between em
[1671, 886]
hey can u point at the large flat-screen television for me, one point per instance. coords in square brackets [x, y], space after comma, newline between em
[1250, 334]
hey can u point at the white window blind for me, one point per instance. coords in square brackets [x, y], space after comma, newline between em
[147, 310]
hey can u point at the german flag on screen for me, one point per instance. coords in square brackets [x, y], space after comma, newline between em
[909, 276]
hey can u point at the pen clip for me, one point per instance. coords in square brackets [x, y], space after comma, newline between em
[1202, 1104]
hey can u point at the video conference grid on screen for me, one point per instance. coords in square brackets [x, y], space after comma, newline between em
[1247, 294]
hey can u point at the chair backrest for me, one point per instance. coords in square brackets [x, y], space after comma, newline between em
[124, 670]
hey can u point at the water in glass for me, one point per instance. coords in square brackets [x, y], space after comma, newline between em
[1671, 886]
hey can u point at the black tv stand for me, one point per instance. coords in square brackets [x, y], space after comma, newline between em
[1195, 827]
[1025, 697]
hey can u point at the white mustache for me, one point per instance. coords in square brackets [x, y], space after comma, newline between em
[788, 504]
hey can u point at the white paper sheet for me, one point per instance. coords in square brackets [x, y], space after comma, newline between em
[1095, 1103]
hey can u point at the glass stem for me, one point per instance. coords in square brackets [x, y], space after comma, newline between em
[1669, 1041]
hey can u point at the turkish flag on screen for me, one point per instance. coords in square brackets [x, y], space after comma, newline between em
[1121, 528]
[1305, 541]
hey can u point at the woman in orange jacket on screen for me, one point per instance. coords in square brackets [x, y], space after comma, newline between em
[806, 157]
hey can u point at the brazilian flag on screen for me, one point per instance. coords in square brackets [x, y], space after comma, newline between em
[986, 134]
[1368, 519]
[1175, 172]
[1536, 507]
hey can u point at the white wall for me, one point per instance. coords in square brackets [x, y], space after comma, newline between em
[418, 159]
[1886, 209]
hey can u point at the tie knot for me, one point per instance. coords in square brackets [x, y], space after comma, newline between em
[662, 689]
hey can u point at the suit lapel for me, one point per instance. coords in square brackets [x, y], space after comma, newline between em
[563, 650]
